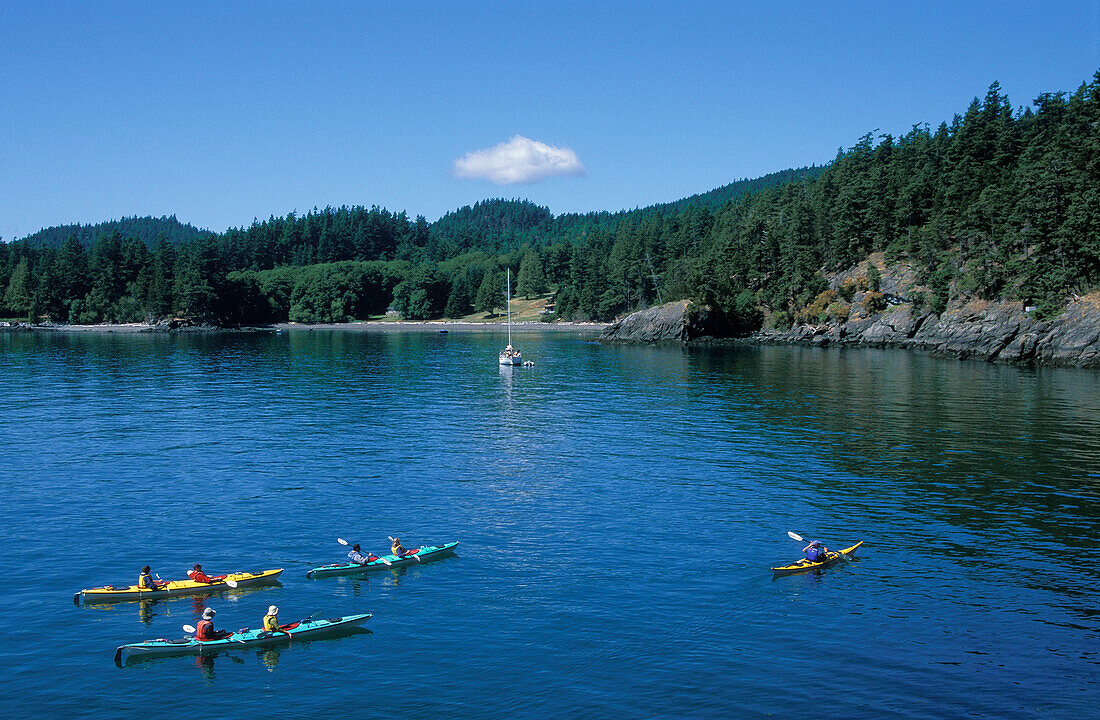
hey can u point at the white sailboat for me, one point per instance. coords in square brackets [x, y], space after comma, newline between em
[509, 355]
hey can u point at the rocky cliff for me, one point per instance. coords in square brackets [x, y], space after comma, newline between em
[678, 321]
[995, 332]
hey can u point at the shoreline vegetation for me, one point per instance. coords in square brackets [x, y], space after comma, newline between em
[357, 326]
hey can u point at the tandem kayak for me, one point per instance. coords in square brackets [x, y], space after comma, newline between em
[119, 593]
[426, 553]
[804, 565]
[307, 628]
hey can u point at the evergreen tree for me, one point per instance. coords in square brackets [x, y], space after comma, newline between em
[531, 280]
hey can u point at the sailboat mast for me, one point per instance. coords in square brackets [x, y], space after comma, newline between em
[509, 295]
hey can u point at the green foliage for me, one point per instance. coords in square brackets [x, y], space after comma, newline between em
[490, 294]
[874, 278]
[781, 320]
[531, 280]
[422, 295]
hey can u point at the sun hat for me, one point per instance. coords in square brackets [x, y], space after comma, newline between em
[273, 610]
[208, 613]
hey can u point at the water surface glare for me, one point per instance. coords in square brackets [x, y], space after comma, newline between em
[618, 510]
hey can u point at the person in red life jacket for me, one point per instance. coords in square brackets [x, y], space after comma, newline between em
[146, 581]
[356, 556]
[198, 575]
[205, 629]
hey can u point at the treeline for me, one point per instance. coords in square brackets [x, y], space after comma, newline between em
[147, 229]
[998, 204]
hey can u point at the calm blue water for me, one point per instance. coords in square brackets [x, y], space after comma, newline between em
[618, 509]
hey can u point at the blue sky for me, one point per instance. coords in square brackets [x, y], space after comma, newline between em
[221, 112]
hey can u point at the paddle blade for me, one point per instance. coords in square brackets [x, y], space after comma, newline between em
[795, 536]
[189, 628]
[231, 583]
[342, 541]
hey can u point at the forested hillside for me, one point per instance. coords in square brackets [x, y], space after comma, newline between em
[147, 229]
[998, 203]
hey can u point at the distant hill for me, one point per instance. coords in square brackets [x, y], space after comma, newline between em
[146, 229]
[718, 197]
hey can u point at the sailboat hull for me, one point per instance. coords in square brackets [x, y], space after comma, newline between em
[511, 360]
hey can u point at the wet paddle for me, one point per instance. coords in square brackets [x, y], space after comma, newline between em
[342, 541]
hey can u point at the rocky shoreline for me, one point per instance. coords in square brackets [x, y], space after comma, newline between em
[1003, 332]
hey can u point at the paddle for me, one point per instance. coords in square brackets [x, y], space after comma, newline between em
[799, 538]
[408, 554]
[342, 541]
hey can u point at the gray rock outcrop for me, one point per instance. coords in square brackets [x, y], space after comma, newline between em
[678, 321]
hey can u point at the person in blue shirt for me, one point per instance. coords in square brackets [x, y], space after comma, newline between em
[815, 551]
[146, 581]
[358, 557]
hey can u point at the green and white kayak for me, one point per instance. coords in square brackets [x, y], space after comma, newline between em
[804, 565]
[422, 554]
[308, 628]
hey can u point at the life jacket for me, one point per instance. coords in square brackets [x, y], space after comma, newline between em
[199, 576]
[271, 623]
[397, 549]
[146, 581]
[815, 554]
[205, 631]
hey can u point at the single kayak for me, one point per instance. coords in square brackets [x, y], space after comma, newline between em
[174, 588]
[307, 628]
[804, 565]
[425, 553]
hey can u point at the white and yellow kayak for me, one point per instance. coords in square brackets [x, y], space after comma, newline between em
[175, 588]
[805, 565]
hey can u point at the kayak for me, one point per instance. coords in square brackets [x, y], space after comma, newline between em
[174, 588]
[426, 553]
[307, 628]
[804, 565]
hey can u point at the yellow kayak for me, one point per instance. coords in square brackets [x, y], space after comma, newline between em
[174, 588]
[804, 565]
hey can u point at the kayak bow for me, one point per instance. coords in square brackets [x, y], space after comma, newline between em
[242, 638]
[426, 553]
[804, 565]
[174, 588]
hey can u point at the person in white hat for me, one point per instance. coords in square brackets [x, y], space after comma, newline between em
[271, 622]
[205, 630]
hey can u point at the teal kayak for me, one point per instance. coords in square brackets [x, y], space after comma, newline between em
[308, 628]
[426, 553]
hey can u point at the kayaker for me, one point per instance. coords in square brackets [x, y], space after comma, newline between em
[205, 629]
[815, 551]
[271, 621]
[198, 575]
[396, 548]
[356, 555]
[146, 581]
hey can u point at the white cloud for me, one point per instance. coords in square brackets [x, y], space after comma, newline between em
[520, 160]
